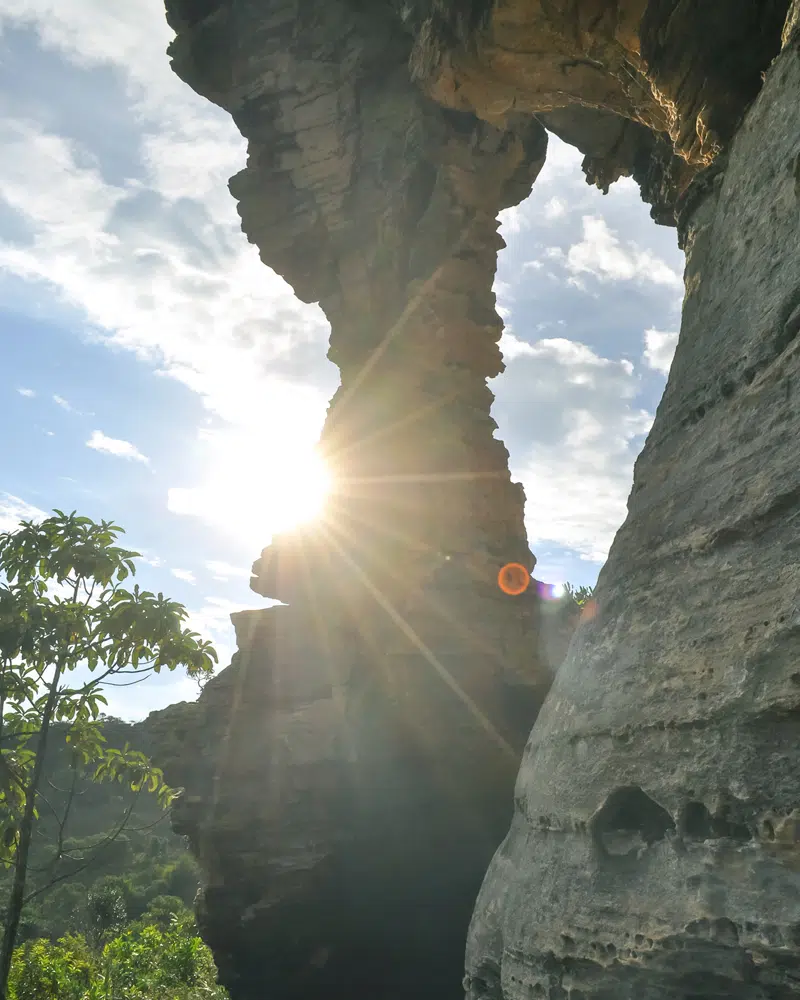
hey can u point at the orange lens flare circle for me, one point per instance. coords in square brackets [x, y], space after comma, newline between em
[513, 579]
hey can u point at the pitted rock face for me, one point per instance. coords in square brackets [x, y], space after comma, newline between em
[352, 771]
[645, 859]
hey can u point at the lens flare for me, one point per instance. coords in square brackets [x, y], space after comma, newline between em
[513, 579]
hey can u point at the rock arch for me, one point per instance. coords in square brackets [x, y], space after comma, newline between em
[348, 776]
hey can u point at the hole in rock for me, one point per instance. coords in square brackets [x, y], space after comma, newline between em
[628, 820]
[697, 823]
[590, 290]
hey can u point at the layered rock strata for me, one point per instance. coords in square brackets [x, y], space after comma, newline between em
[350, 775]
[356, 767]
[655, 846]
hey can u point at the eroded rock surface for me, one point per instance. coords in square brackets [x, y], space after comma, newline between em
[350, 774]
[655, 847]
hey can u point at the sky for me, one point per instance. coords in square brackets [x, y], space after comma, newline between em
[155, 373]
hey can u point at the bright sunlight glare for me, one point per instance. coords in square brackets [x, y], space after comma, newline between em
[257, 486]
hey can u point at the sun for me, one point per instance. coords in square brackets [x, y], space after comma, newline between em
[296, 491]
[256, 486]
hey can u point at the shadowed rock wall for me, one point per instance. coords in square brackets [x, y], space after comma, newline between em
[350, 774]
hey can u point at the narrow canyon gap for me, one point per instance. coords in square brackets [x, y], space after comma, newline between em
[351, 773]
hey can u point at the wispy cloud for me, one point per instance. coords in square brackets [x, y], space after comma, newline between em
[150, 560]
[225, 571]
[63, 403]
[184, 574]
[115, 446]
[167, 274]
[158, 266]
[29, 393]
[659, 349]
[213, 621]
[14, 509]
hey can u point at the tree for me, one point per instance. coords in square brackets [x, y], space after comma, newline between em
[105, 913]
[68, 627]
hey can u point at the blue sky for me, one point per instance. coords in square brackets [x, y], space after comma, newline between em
[156, 373]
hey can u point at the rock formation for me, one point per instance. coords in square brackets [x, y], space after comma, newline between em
[655, 846]
[350, 774]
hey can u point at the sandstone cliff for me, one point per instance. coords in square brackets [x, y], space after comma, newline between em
[356, 768]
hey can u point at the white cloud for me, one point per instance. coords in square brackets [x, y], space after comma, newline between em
[562, 168]
[659, 349]
[132, 38]
[577, 471]
[150, 560]
[115, 446]
[513, 220]
[158, 266]
[214, 616]
[554, 208]
[512, 347]
[13, 510]
[601, 254]
[63, 403]
[173, 280]
[29, 393]
[504, 299]
[213, 621]
[225, 571]
[184, 574]
[577, 491]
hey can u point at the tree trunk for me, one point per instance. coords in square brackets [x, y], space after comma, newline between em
[17, 897]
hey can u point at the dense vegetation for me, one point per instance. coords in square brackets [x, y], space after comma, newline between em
[117, 925]
[145, 961]
[94, 887]
[117, 842]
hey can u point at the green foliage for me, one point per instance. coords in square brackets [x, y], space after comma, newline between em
[67, 627]
[163, 910]
[155, 878]
[144, 962]
[62, 607]
[580, 595]
[45, 971]
[105, 911]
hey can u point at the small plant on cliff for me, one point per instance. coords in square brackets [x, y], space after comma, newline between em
[580, 595]
[67, 628]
